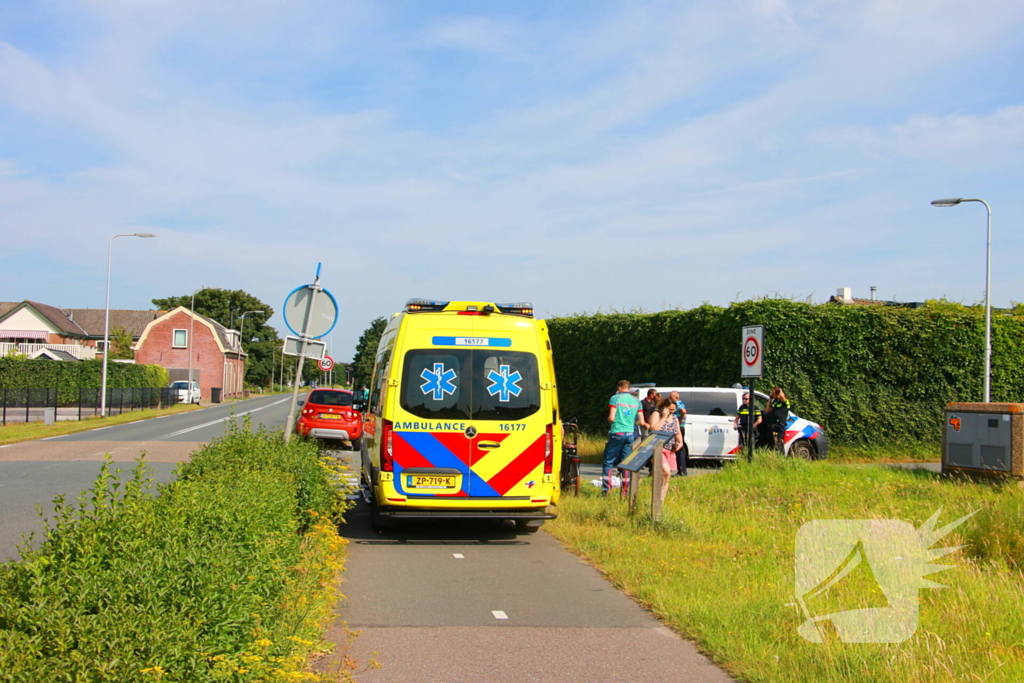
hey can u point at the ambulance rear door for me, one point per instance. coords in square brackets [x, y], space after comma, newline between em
[513, 437]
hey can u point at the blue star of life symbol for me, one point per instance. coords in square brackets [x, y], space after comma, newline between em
[439, 382]
[504, 384]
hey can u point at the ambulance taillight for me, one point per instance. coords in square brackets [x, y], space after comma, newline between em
[387, 462]
[549, 449]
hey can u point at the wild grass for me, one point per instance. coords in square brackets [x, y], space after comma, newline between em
[16, 432]
[893, 453]
[591, 448]
[719, 569]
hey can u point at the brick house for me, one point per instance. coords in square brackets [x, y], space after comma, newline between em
[217, 356]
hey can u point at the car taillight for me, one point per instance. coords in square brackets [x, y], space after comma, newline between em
[386, 454]
[549, 449]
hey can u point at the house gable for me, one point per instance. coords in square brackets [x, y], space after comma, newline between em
[28, 319]
[200, 320]
[40, 317]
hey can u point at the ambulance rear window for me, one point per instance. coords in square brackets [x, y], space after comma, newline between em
[471, 384]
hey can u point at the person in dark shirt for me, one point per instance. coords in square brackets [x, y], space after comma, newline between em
[777, 416]
[648, 406]
[746, 412]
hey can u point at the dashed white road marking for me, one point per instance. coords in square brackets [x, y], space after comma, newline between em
[498, 614]
[218, 421]
[458, 556]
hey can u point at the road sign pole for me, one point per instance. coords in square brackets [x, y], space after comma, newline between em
[750, 424]
[289, 425]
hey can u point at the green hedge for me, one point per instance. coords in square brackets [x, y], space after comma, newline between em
[227, 575]
[871, 375]
[68, 377]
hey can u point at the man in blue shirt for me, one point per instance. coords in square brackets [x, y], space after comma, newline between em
[623, 411]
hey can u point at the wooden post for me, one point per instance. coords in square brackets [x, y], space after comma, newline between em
[634, 490]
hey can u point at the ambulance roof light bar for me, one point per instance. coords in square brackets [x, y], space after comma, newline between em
[420, 305]
[523, 308]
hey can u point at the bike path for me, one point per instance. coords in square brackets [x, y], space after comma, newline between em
[473, 601]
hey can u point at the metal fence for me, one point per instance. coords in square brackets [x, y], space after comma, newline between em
[30, 405]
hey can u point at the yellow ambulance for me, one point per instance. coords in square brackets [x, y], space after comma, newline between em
[462, 416]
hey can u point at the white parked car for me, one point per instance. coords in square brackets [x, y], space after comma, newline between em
[184, 395]
[711, 411]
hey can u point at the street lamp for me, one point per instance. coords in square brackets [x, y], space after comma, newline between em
[988, 287]
[106, 318]
[191, 329]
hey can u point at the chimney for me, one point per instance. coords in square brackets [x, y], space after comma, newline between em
[845, 293]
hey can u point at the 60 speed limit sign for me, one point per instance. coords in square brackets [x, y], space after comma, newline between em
[326, 363]
[753, 351]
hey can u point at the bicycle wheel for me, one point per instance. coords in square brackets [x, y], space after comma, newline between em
[574, 473]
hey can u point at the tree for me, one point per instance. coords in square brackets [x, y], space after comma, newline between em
[121, 344]
[366, 351]
[226, 307]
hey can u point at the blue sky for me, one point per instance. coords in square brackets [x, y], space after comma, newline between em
[581, 155]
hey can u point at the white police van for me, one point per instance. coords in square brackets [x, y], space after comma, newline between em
[711, 413]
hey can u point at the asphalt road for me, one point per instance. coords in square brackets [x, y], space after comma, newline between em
[33, 473]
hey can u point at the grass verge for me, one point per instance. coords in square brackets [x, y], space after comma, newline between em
[30, 431]
[895, 453]
[229, 574]
[591, 449]
[719, 569]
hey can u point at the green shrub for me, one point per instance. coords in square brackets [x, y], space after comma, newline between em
[240, 452]
[68, 377]
[228, 574]
[872, 375]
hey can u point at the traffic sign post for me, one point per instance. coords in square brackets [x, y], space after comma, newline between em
[752, 367]
[318, 311]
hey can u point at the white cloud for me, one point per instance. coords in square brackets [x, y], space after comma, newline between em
[991, 139]
[484, 35]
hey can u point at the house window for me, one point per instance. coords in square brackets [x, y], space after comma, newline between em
[101, 345]
[180, 339]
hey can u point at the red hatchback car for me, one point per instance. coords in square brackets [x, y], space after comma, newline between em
[328, 414]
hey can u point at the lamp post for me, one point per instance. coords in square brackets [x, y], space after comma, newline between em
[241, 326]
[191, 330]
[988, 286]
[106, 318]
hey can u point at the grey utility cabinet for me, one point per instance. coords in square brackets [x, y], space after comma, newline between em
[984, 439]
